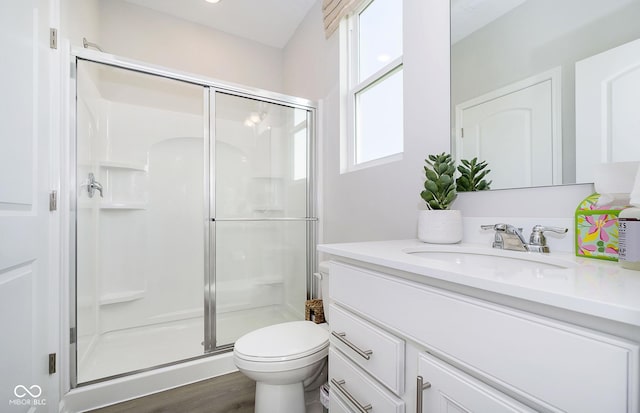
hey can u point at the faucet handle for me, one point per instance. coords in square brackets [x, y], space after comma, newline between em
[501, 227]
[497, 239]
[496, 227]
[537, 234]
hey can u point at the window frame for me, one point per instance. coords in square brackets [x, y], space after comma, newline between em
[354, 88]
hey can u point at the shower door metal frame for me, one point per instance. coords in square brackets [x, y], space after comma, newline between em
[210, 87]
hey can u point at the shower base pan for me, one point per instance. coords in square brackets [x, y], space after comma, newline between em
[123, 351]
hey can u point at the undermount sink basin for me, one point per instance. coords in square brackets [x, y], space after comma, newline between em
[474, 259]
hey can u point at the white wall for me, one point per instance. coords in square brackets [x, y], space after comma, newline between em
[142, 34]
[310, 62]
[78, 19]
[382, 202]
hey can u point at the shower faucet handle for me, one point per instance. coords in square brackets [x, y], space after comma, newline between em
[93, 186]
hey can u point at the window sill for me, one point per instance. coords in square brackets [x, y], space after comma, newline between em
[369, 164]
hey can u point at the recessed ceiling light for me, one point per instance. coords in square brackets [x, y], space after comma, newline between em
[212, 1]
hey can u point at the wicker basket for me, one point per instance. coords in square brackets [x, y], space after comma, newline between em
[313, 311]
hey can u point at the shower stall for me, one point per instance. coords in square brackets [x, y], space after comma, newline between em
[193, 217]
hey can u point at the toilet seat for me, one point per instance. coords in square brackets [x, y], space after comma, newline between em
[283, 342]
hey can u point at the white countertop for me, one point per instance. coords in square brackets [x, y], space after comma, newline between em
[590, 286]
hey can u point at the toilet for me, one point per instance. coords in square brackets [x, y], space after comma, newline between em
[285, 360]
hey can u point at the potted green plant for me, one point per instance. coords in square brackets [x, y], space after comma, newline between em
[438, 224]
[472, 176]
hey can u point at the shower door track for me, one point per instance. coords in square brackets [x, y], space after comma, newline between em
[262, 219]
[211, 87]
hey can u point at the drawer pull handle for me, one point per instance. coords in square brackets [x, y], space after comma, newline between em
[422, 385]
[363, 353]
[338, 385]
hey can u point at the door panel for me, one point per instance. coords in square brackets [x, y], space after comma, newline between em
[513, 133]
[260, 275]
[25, 134]
[261, 159]
[607, 98]
[261, 214]
[452, 391]
[141, 220]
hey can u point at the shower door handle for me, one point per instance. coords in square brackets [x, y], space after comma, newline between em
[93, 186]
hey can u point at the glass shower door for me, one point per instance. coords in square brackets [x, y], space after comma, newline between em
[262, 212]
[141, 220]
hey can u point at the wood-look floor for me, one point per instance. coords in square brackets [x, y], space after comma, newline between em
[231, 393]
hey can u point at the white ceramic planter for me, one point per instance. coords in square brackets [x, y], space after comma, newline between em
[440, 226]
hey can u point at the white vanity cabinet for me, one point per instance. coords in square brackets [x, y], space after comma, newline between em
[477, 355]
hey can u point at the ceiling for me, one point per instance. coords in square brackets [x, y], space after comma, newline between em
[270, 22]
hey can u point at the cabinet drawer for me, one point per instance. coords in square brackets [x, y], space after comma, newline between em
[355, 384]
[384, 358]
[546, 361]
[336, 405]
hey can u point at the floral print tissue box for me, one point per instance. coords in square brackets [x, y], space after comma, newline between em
[597, 229]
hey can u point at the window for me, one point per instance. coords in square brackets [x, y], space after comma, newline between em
[374, 85]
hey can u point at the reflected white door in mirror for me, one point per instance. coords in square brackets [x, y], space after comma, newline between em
[607, 101]
[500, 42]
[499, 127]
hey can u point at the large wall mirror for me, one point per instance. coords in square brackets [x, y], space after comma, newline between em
[544, 90]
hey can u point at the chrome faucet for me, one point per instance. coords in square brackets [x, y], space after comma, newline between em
[509, 237]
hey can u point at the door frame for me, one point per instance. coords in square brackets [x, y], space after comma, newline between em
[68, 214]
[555, 77]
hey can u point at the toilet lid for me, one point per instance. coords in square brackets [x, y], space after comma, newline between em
[282, 342]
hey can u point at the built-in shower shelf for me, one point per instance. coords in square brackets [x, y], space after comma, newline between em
[123, 205]
[123, 165]
[269, 281]
[87, 204]
[121, 297]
